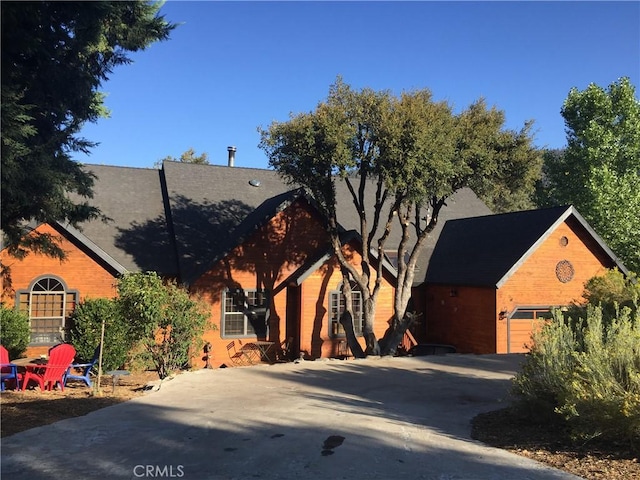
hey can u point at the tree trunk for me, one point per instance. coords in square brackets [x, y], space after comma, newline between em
[373, 347]
[346, 320]
[393, 336]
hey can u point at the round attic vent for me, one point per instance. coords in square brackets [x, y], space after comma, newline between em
[254, 183]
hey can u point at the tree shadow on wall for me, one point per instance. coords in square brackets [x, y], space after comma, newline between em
[271, 245]
[186, 243]
[216, 244]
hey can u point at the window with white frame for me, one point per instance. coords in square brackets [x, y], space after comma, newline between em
[336, 309]
[48, 303]
[244, 312]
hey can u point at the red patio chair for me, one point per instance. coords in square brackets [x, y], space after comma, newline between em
[47, 375]
[8, 370]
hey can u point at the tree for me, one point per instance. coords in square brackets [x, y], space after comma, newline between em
[161, 314]
[187, 157]
[55, 56]
[414, 153]
[15, 331]
[599, 172]
[86, 332]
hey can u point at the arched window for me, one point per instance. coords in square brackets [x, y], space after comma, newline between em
[48, 303]
[336, 308]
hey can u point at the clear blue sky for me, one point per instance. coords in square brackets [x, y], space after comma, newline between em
[231, 67]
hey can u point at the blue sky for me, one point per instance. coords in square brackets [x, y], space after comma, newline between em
[231, 67]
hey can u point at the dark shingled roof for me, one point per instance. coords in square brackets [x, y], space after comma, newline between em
[208, 203]
[485, 251]
[136, 234]
[179, 220]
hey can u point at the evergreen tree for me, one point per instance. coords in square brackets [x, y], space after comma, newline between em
[55, 57]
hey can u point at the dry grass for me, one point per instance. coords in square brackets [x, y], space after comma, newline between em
[32, 408]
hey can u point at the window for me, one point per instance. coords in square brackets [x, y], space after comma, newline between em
[48, 304]
[523, 313]
[244, 313]
[336, 308]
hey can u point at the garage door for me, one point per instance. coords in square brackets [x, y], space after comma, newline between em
[522, 322]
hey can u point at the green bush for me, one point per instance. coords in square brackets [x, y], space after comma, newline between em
[15, 332]
[85, 332]
[547, 369]
[611, 291]
[588, 371]
[168, 322]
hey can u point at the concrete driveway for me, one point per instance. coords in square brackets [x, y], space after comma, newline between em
[379, 418]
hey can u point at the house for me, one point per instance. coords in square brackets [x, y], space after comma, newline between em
[256, 251]
[254, 248]
[492, 279]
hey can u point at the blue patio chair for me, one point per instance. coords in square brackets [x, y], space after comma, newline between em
[9, 370]
[84, 369]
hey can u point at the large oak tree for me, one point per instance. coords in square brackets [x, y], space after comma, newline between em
[55, 57]
[414, 153]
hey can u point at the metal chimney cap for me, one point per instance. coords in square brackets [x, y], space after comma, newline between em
[231, 149]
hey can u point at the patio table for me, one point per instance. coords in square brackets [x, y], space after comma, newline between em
[259, 351]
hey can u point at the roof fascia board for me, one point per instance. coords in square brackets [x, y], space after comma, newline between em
[350, 235]
[240, 239]
[600, 241]
[90, 245]
[533, 248]
[570, 211]
[312, 268]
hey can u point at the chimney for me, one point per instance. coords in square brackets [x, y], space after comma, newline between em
[232, 155]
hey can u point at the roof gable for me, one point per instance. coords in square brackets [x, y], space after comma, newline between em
[487, 250]
[256, 219]
[316, 261]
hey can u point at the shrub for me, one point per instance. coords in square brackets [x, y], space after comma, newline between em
[15, 332]
[603, 398]
[611, 291]
[588, 373]
[547, 369]
[86, 329]
[168, 322]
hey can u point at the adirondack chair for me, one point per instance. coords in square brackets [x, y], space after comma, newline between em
[47, 375]
[84, 368]
[8, 370]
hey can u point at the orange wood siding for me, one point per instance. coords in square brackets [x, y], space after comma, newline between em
[264, 260]
[520, 334]
[462, 316]
[471, 319]
[315, 339]
[535, 283]
[79, 271]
